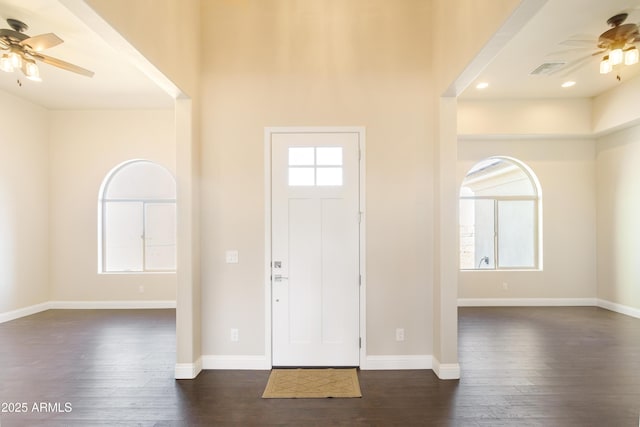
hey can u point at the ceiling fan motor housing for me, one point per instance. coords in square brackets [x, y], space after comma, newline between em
[17, 25]
[620, 34]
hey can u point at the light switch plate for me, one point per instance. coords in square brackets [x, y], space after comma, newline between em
[232, 257]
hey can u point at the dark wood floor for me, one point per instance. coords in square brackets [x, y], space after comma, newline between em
[577, 366]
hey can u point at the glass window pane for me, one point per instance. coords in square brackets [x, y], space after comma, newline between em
[329, 156]
[477, 234]
[301, 176]
[123, 236]
[160, 236]
[498, 177]
[301, 156]
[329, 176]
[141, 180]
[516, 234]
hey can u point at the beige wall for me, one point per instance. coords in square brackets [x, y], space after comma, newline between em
[618, 154]
[85, 147]
[618, 157]
[617, 108]
[461, 28]
[529, 130]
[330, 63]
[24, 204]
[566, 172]
[533, 117]
[166, 32]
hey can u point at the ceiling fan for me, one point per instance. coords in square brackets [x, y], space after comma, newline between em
[617, 44]
[21, 51]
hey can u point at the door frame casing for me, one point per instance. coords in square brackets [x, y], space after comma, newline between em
[268, 132]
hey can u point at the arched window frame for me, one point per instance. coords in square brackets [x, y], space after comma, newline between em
[535, 198]
[144, 203]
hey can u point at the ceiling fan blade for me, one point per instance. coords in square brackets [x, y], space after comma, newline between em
[62, 64]
[579, 43]
[574, 65]
[567, 52]
[42, 42]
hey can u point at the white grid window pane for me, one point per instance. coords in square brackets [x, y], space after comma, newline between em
[477, 245]
[301, 177]
[301, 156]
[123, 237]
[329, 156]
[160, 236]
[329, 176]
[516, 234]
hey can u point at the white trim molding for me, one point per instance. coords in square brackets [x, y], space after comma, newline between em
[446, 371]
[419, 361]
[242, 362]
[123, 304]
[23, 312]
[188, 371]
[526, 302]
[83, 305]
[619, 308]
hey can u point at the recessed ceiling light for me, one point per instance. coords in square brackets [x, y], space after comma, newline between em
[568, 83]
[482, 85]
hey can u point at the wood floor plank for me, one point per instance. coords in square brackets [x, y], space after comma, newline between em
[521, 366]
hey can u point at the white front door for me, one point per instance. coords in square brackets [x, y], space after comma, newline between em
[315, 248]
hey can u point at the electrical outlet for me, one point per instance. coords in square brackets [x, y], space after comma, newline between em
[141, 289]
[400, 334]
[235, 335]
[505, 286]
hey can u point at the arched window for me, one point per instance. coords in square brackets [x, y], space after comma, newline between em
[500, 206]
[137, 219]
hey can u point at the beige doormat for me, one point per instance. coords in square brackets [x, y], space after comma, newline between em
[312, 383]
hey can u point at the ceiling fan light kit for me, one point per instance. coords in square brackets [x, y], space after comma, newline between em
[619, 41]
[22, 51]
[30, 69]
[631, 56]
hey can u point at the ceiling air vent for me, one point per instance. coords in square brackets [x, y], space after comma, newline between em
[547, 68]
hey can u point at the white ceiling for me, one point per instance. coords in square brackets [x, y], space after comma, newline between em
[119, 84]
[545, 39]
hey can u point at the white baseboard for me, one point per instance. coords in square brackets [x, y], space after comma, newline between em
[235, 362]
[526, 302]
[26, 311]
[188, 371]
[123, 304]
[421, 361]
[619, 308]
[370, 363]
[83, 305]
[446, 371]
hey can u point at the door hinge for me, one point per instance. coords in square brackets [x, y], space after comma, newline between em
[360, 280]
[359, 342]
